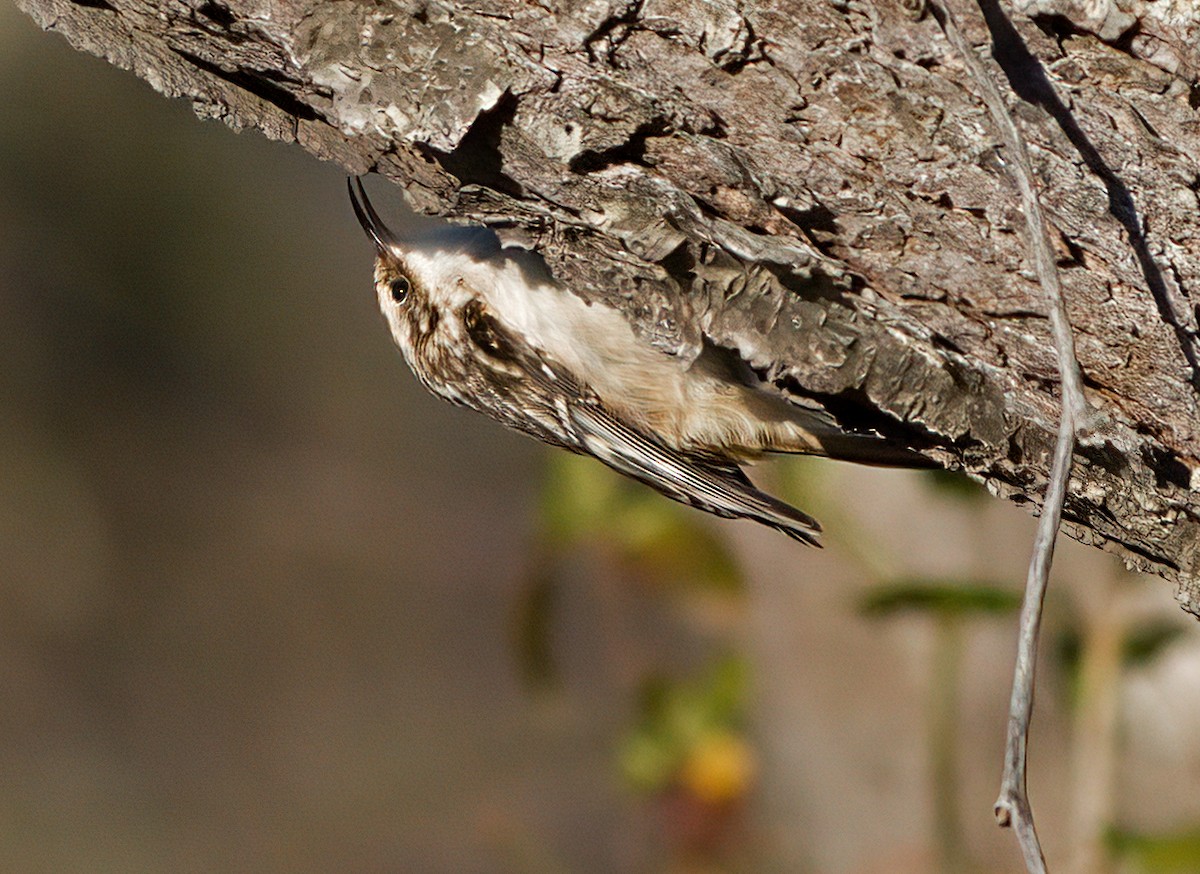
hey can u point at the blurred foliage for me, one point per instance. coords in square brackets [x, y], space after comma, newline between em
[949, 601]
[533, 629]
[802, 481]
[586, 504]
[1139, 646]
[1176, 853]
[944, 597]
[1148, 642]
[689, 736]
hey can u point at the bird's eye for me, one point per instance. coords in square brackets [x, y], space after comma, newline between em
[399, 289]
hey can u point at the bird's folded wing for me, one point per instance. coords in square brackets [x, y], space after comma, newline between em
[708, 483]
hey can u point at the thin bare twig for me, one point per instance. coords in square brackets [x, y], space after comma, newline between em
[1040, 246]
[1012, 807]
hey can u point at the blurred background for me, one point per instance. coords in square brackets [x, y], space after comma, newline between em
[266, 606]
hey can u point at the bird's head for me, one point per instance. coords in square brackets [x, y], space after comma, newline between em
[401, 282]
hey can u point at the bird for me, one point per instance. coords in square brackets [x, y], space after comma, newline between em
[487, 327]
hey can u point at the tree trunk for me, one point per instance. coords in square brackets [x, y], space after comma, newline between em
[815, 183]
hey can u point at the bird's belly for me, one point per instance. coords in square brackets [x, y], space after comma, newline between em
[685, 407]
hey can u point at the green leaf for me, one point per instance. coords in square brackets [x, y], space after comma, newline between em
[1175, 853]
[1145, 643]
[943, 597]
[648, 763]
[584, 503]
[676, 717]
[1140, 646]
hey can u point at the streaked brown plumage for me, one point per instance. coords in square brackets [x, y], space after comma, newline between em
[486, 327]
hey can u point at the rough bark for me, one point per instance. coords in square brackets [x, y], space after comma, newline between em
[813, 183]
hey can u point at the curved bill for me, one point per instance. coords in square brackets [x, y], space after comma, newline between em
[379, 233]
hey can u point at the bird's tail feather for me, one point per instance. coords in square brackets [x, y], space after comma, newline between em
[871, 449]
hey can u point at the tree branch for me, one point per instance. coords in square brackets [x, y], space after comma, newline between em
[807, 183]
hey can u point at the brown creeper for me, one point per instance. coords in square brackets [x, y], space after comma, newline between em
[486, 327]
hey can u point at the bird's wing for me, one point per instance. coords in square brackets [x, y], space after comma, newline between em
[708, 483]
[564, 412]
